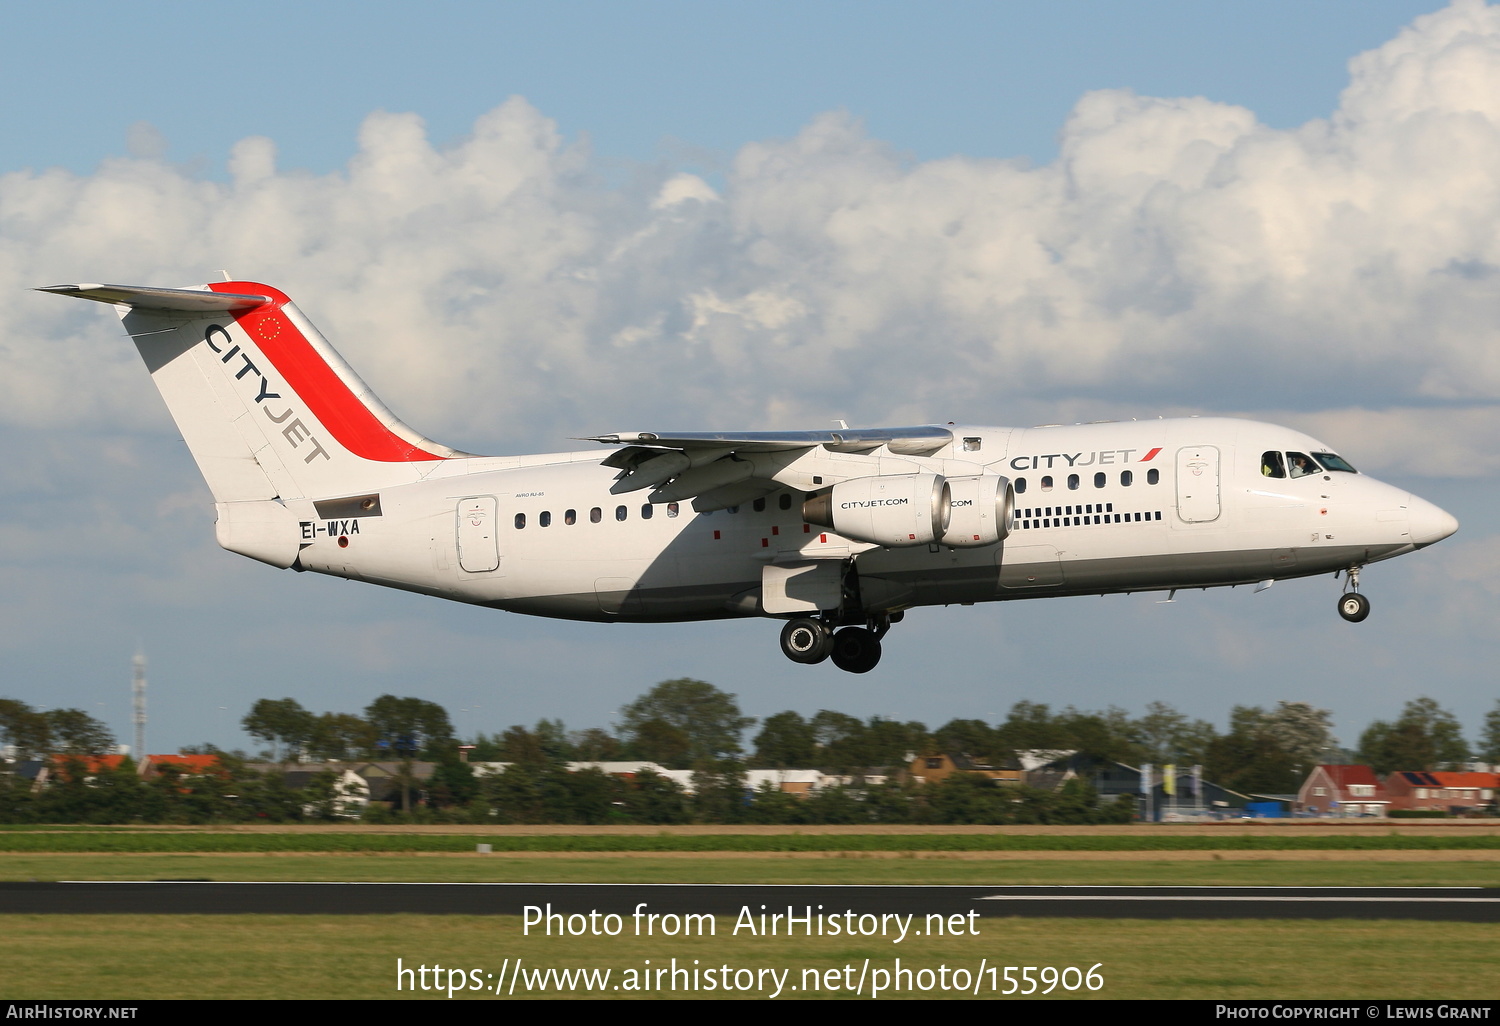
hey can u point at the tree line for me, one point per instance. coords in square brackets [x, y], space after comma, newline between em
[531, 793]
[685, 724]
[690, 724]
[35, 734]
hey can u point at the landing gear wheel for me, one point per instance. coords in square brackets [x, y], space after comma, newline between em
[856, 650]
[1353, 606]
[805, 641]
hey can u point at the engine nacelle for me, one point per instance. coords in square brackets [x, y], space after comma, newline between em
[982, 509]
[892, 510]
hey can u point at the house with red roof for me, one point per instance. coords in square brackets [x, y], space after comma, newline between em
[58, 767]
[187, 765]
[92, 764]
[1346, 791]
[1438, 791]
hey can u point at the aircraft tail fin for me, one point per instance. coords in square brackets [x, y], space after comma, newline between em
[267, 407]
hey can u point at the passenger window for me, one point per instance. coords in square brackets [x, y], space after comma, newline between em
[1073, 482]
[620, 513]
[520, 521]
[1271, 465]
[1153, 475]
[1126, 477]
[671, 509]
[786, 500]
[1020, 486]
[1099, 479]
[1047, 483]
[972, 444]
[570, 517]
[595, 515]
[1300, 464]
[545, 520]
[646, 511]
[760, 505]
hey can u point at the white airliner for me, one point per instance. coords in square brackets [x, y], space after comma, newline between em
[835, 532]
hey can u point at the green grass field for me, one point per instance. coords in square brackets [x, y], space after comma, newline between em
[1228, 870]
[130, 957]
[147, 841]
[143, 957]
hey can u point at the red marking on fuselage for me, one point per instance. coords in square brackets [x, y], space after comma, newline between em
[315, 383]
[1150, 455]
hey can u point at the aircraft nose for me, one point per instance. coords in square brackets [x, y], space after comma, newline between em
[1427, 522]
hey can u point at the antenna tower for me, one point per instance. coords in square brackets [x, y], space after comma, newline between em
[138, 703]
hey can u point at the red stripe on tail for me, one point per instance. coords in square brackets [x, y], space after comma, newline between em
[341, 411]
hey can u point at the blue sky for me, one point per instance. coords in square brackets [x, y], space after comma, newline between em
[692, 186]
[687, 82]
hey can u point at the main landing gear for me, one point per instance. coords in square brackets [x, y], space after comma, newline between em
[854, 649]
[1353, 606]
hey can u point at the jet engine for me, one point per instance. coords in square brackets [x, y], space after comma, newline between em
[891, 510]
[981, 512]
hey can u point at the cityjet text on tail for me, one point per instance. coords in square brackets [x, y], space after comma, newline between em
[835, 533]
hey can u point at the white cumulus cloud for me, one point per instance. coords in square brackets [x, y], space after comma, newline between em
[502, 292]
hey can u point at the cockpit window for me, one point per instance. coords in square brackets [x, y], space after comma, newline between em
[1332, 462]
[1301, 464]
[1271, 465]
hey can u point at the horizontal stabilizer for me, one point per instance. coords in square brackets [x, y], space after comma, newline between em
[142, 298]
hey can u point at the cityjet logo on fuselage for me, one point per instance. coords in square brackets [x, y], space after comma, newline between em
[1101, 457]
[294, 432]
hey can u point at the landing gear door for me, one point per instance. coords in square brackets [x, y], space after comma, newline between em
[1197, 484]
[478, 534]
[809, 587]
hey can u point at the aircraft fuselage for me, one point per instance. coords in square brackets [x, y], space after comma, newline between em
[1100, 508]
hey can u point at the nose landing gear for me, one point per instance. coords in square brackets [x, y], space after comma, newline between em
[1353, 606]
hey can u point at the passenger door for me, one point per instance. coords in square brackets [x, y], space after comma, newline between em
[478, 534]
[1197, 484]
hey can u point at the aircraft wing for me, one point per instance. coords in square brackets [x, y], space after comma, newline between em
[907, 441]
[709, 466]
